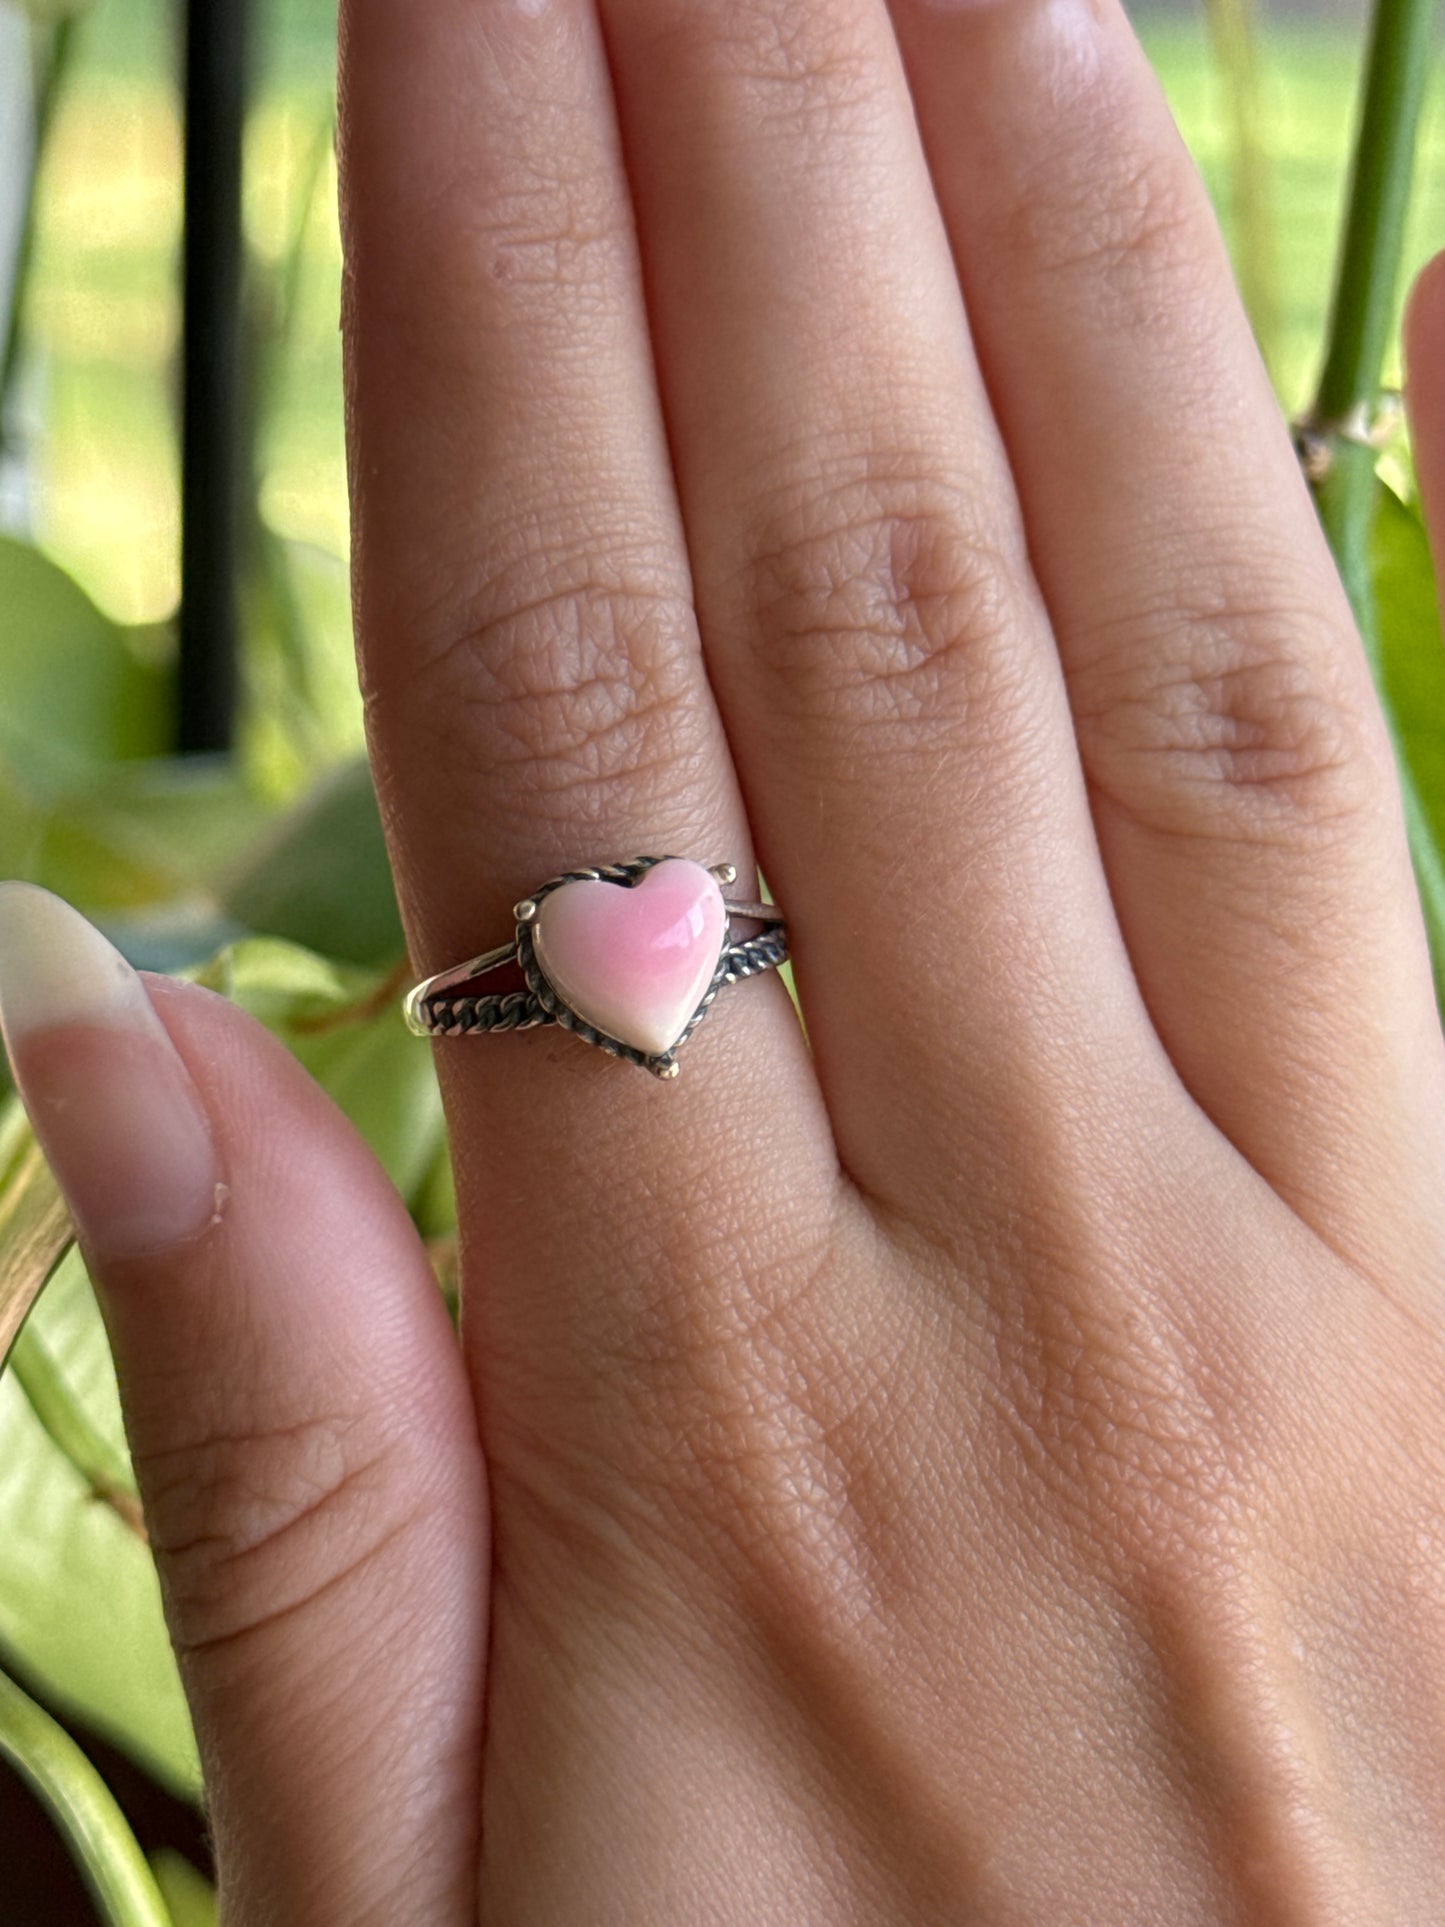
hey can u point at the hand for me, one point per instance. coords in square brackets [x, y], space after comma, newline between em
[984, 1464]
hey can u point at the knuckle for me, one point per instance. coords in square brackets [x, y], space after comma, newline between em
[1099, 1394]
[747, 1451]
[1237, 722]
[249, 1527]
[575, 680]
[876, 603]
[782, 1460]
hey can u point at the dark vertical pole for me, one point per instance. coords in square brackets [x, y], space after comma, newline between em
[214, 454]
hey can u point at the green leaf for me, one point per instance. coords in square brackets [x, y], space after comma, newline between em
[84, 1809]
[146, 833]
[135, 847]
[321, 878]
[1411, 655]
[345, 1026]
[79, 1603]
[21, 825]
[77, 693]
[386, 1087]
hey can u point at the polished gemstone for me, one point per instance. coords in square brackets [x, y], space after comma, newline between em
[634, 961]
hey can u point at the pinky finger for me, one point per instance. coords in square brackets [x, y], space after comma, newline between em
[300, 1421]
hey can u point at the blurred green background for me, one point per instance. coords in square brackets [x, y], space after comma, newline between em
[103, 305]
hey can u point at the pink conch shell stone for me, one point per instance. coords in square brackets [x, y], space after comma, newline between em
[634, 961]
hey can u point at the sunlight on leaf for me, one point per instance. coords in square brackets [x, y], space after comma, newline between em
[77, 695]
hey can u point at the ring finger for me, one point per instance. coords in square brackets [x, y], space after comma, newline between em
[535, 691]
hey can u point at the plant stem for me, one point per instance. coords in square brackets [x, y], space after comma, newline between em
[64, 1418]
[83, 1808]
[1368, 272]
[1361, 320]
[47, 93]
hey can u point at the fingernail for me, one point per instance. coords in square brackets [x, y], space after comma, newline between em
[113, 1106]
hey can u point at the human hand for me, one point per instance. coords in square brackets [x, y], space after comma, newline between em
[984, 1464]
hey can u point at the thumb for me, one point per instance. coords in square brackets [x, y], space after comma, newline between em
[299, 1417]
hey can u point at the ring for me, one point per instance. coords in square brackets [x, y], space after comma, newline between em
[629, 956]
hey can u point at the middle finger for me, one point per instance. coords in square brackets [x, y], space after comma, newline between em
[873, 631]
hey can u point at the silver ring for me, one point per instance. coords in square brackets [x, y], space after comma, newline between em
[628, 956]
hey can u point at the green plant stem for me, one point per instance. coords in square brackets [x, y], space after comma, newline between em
[1362, 316]
[84, 1810]
[52, 1399]
[47, 93]
[1368, 272]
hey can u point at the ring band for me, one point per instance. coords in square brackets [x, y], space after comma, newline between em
[629, 956]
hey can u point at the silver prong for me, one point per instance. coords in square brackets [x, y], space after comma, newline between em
[726, 873]
[525, 910]
[669, 1070]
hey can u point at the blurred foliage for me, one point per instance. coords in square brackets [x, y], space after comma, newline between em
[267, 877]
[79, 1605]
[1411, 664]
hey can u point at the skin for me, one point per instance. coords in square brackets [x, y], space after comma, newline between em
[982, 1464]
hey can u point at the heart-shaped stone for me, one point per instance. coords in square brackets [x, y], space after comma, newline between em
[634, 961]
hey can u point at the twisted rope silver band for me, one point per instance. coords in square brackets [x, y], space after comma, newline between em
[523, 1010]
[433, 1009]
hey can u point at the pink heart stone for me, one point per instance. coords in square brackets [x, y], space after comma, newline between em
[634, 962]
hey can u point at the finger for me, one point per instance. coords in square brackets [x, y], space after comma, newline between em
[527, 643]
[1242, 782]
[536, 693]
[300, 1424]
[1424, 332]
[890, 685]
